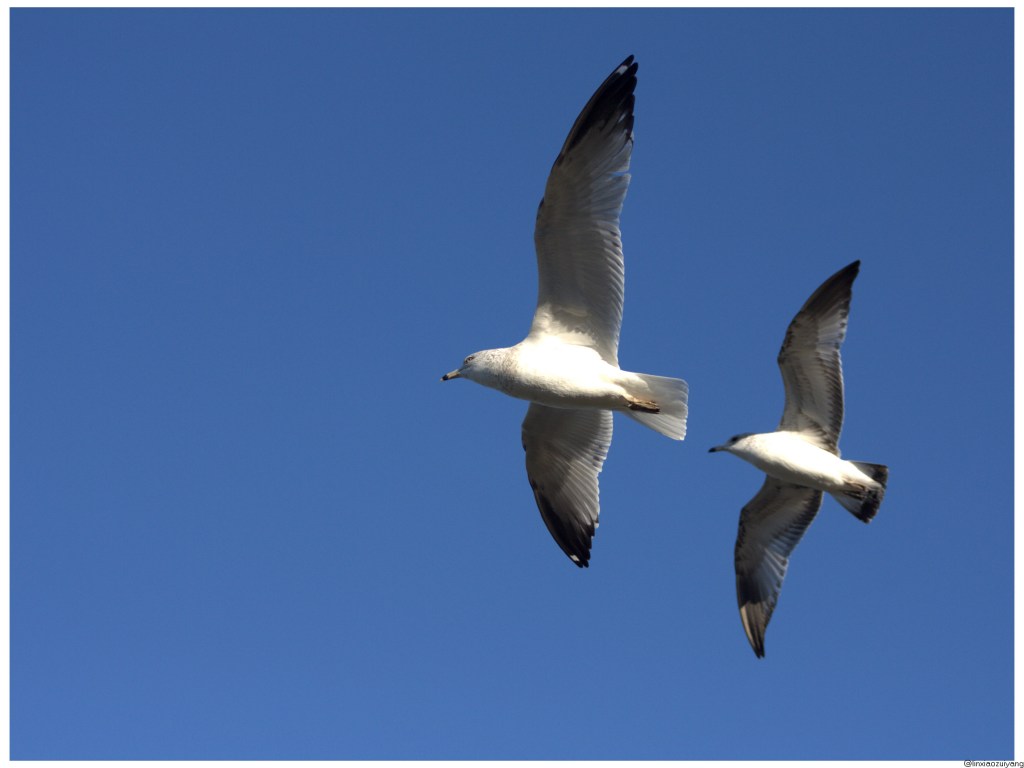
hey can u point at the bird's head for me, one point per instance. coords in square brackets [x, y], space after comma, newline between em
[480, 367]
[736, 441]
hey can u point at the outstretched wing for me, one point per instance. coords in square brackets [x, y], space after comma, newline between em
[771, 525]
[812, 369]
[565, 450]
[579, 249]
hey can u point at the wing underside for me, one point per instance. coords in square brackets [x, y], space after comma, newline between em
[771, 525]
[565, 450]
[577, 237]
[810, 362]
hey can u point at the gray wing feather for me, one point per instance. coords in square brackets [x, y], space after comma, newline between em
[771, 525]
[579, 248]
[812, 369]
[565, 450]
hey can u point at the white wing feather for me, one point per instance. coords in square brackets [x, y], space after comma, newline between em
[771, 525]
[811, 366]
[579, 248]
[565, 450]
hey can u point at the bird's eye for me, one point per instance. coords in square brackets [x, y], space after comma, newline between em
[468, 360]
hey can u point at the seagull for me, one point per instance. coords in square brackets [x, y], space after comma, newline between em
[567, 367]
[801, 458]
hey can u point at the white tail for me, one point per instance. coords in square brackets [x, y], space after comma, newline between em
[670, 396]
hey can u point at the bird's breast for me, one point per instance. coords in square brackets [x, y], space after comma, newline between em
[790, 458]
[564, 376]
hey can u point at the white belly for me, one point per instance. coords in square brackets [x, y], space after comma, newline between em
[565, 376]
[787, 456]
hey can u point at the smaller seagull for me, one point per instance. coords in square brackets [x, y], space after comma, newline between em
[801, 458]
[568, 365]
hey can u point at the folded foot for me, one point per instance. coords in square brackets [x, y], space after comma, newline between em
[647, 406]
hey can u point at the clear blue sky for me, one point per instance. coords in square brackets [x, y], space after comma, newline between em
[249, 521]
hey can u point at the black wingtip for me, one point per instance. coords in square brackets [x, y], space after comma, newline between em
[837, 289]
[845, 276]
[757, 641]
[612, 102]
[755, 609]
[847, 273]
[572, 540]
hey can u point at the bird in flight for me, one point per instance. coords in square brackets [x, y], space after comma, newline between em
[801, 458]
[567, 366]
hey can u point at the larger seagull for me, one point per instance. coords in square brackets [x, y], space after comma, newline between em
[801, 458]
[568, 367]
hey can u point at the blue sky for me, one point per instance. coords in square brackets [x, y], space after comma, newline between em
[249, 521]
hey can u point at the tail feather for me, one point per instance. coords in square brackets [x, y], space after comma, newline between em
[862, 501]
[670, 395]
